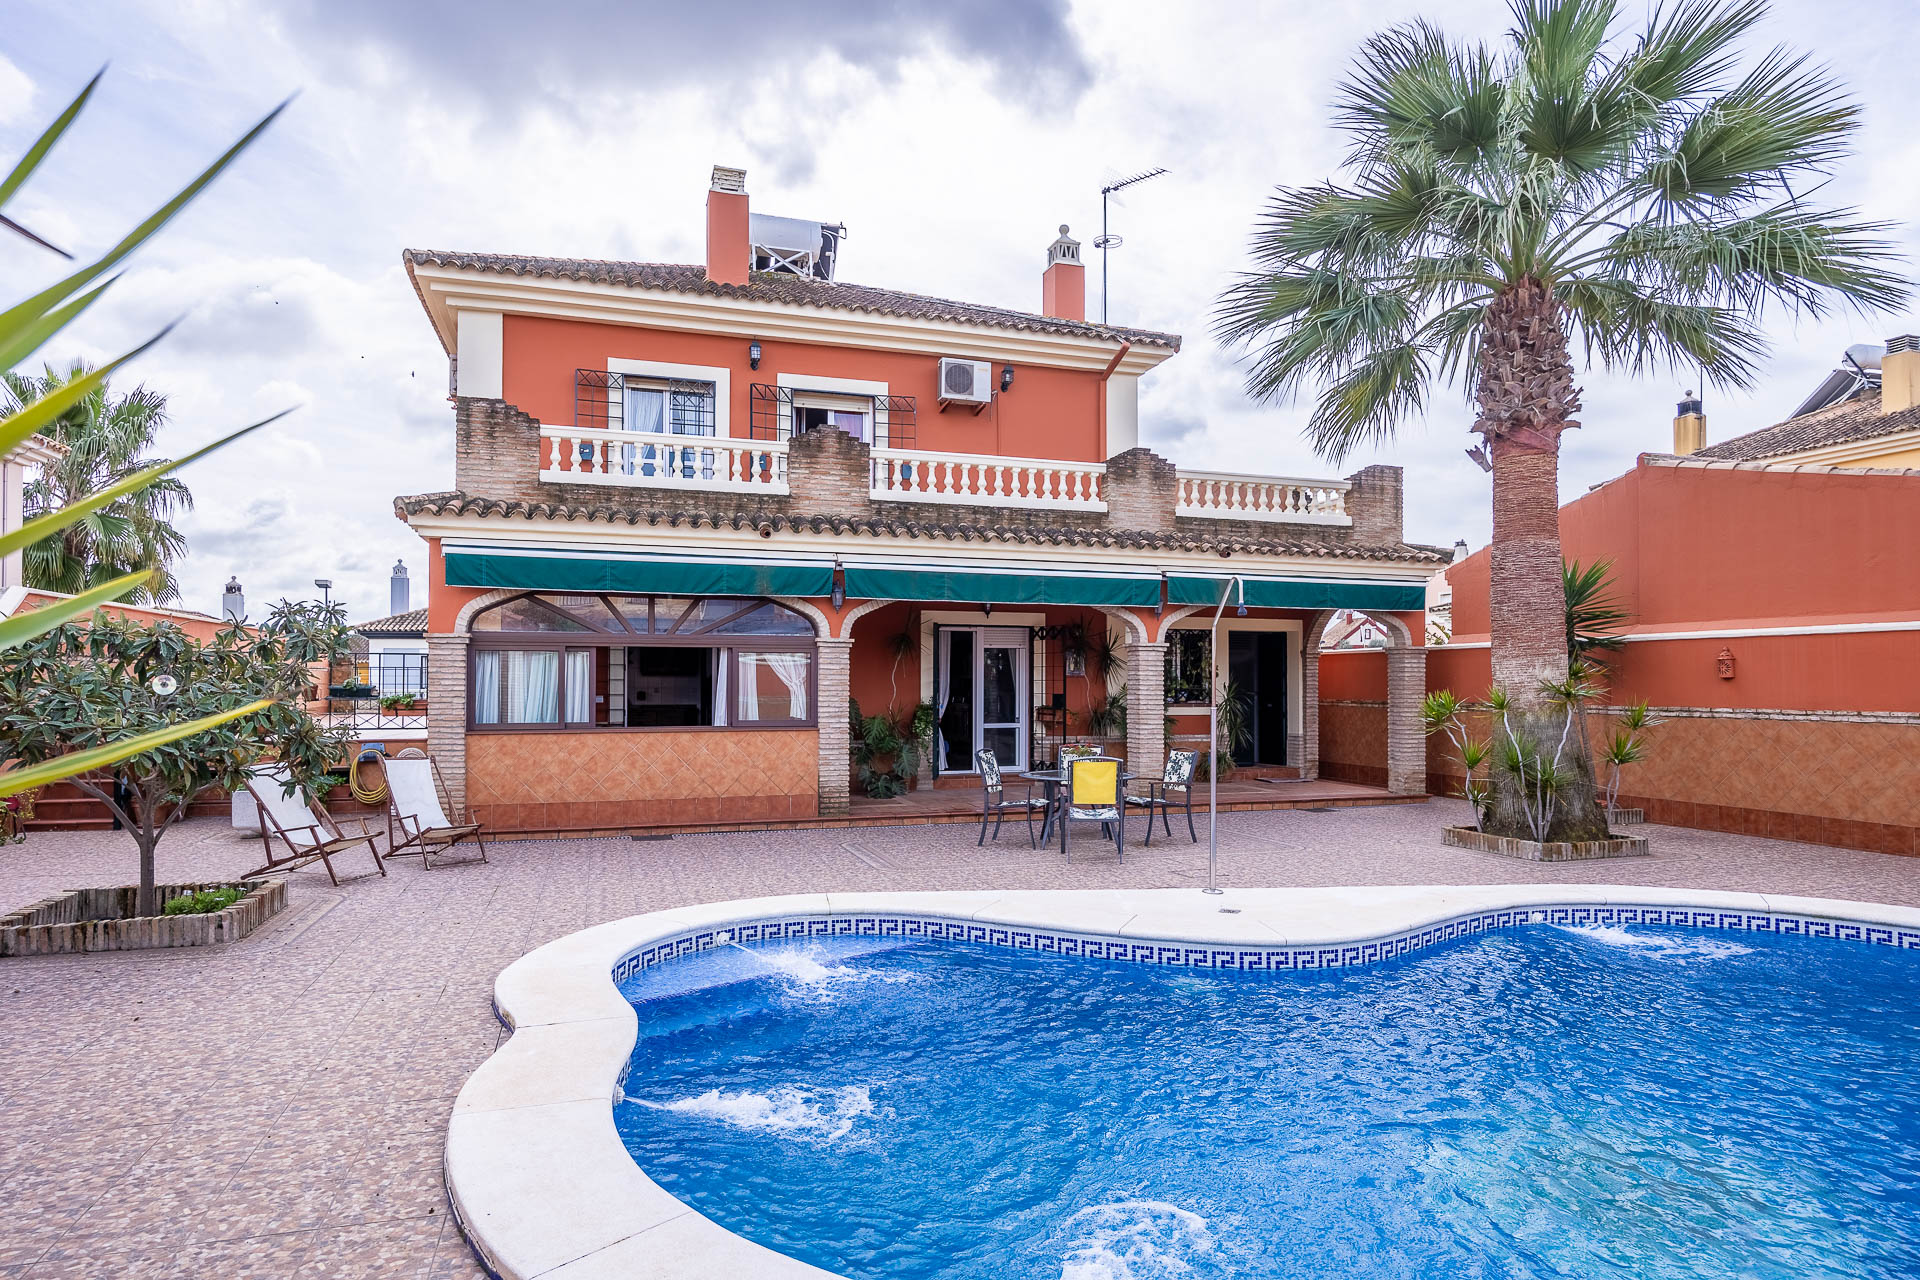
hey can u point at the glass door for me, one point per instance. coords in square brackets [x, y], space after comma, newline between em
[1003, 699]
[984, 699]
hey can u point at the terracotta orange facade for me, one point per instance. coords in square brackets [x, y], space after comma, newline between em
[701, 511]
[1775, 629]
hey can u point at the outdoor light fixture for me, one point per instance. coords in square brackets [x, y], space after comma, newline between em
[839, 596]
[1241, 612]
[1006, 378]
[988, 608]
[325, 585]
[753, 354]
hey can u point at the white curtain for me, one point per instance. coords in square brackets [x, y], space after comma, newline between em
[722, 659]
[486, 686]
[791, 668]
[646, 410]
[579, 686]
[749, 688]
[533, 686]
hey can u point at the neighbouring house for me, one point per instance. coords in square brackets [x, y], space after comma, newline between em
[34, 451]
[390, 653]
[1775, 632]
[1866, 413]
[201, 626]
[701, 509]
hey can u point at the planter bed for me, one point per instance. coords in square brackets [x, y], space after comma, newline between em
[103, 920]
[1553, 851]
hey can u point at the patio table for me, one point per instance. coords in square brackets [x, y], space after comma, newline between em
[1051, 780]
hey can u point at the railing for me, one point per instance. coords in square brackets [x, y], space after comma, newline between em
[580, 455]
[1220, 495]
[356, 686]
[916, 475]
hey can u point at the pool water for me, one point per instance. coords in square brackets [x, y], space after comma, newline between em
[1635, 1102]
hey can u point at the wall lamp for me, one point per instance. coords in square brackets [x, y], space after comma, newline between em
[753, 354]
[839, 595]
[1006, 378]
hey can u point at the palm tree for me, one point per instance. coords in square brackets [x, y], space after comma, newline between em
[1640, 197]
[106, 438]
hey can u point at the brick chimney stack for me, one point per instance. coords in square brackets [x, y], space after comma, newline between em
[1063, 289]
[729, 255]
[1689, 426]
[1900, 374]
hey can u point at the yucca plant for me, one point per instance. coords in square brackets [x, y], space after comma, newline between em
[1634, 198]
[26, 327]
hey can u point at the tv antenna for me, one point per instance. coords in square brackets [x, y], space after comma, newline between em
[1107, 241]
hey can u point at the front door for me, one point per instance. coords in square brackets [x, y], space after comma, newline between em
[1257, 666]
[983, 697]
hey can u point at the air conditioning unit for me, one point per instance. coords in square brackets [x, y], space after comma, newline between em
[966, 381]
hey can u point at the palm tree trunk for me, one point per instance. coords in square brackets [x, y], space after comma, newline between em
[1527, 398]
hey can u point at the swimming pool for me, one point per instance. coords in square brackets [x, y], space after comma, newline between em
[1637, 1101]
[1443, 1080]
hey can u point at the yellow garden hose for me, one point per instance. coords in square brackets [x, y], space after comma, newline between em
[374, 795]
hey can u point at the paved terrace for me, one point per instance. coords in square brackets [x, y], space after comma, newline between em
[276, 1107]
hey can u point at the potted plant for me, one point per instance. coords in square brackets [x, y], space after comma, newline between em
[397, 704]
[886, 753]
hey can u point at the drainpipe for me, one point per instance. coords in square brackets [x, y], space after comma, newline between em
[1213, 732]
[1112, 364]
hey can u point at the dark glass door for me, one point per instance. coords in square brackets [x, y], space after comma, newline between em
[956, 711]
[1257, 666]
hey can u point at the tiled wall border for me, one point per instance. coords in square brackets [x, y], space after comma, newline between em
[1263, 959]
[541, 1185]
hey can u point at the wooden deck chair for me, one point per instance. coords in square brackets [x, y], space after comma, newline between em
[306, 832]
[415, 821]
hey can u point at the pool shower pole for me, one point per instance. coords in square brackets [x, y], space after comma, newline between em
[1213, 732]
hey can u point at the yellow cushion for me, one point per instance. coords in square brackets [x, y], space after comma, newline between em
[1095, 782]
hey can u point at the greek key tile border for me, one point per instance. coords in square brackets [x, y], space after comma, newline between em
[1278, 958]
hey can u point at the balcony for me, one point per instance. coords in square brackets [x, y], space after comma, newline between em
[696, 464]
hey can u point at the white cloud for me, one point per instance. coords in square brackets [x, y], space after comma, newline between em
[16, 92]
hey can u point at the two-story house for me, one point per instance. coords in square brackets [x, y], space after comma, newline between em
[700, 510]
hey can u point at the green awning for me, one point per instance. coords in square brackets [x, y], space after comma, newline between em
[978, 587]
[550, 572]
[1301, 593]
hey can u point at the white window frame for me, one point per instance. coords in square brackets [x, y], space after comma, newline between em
[719, 375]
[818, 391]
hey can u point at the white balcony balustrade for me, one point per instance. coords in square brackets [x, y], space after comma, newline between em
[983, 480]
[709, 464]
[1220, 495]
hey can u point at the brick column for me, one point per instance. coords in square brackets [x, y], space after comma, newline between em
[1406, 740]
[1146, 708]
[447, 716]
[1308, 755]
[836, 740]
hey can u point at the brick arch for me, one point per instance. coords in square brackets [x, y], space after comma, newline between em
[822, 626]
[1406, 689]
[856, 613]
[463, 621]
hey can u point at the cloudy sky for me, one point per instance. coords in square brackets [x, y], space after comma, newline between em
[951, 139]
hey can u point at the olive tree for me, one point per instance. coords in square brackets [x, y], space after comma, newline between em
[81, 686]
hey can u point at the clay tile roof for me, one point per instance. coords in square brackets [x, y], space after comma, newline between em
[1192, 538]
[411, 623]
[782, 287]
[1856, 419]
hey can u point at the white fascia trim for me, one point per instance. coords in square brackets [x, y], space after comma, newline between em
[11, 599]
[1851, 450]
[719, 375]
[639, 557]
[447, 291]
[585, 537]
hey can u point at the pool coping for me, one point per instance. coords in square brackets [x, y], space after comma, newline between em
[541, 1185]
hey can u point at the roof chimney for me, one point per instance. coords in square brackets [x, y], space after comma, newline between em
[1063, 289]
[399, 598]
[1900, 374]
[233, 601]
[1689, 426]
[729, 257]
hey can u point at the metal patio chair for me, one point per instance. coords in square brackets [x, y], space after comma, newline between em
[994, 803]
[1092, 794]
[1176, 780]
